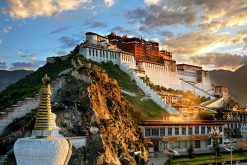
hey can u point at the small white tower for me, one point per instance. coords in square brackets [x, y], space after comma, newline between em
[45, 146]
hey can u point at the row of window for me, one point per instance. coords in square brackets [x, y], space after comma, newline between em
[126, 58]
[103, 53]
[176, 131]
[153, 66]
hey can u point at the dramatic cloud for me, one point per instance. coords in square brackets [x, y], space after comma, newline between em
[201, 42]
[110, 3]
[211, 24]
[68, 42]
[3, 65]
[220, 60]
[158, 15]
[21, 9]
[23, 66]
[60, 29]
[7, 29]
[94, 23]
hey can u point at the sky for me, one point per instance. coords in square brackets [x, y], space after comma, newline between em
[208, 33]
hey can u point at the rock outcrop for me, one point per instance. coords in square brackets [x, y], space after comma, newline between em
[91, 104]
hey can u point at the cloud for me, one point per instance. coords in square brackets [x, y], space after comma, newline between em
[220, 60]
[197, 42]
[121, 30]
[60, 29]
[26, 54]
[151, 2]
[93, 22]
[1, 41]
[164, 13]
[68, 42]
[21, 9]
[109, 3]
[7, 29]
[3, 65]
[23, 66]
[22, 51]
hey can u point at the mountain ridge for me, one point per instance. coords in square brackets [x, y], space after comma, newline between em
[10, 77]
[235, 81]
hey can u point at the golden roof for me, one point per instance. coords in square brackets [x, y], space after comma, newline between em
[44, 117]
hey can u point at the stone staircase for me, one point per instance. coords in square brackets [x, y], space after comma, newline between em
[197, 90]
[147, 90]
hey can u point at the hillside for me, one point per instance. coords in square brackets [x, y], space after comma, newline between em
[235, 81]
[9, 77]
[90, 100]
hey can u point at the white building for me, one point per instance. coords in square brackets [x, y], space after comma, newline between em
[180, 135]
[166, 73]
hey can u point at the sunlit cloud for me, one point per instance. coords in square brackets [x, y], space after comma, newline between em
[21, 9]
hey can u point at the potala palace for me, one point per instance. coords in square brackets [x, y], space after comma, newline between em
[145, 59]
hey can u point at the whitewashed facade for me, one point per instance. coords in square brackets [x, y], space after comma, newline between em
[97, 48]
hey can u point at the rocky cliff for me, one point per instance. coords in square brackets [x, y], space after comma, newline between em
[91, 103]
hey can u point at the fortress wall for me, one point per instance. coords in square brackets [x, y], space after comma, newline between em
[146, 89]
[26, 106]
[162, 75]
[128, 60]
[99, 55]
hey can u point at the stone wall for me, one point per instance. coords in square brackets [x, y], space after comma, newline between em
[26, 106]
[146, 89]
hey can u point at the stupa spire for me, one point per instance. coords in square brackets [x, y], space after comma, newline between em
[44, 118]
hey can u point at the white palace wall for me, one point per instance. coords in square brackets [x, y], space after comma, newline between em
[158, 74]
[100, 55]
[162, 75]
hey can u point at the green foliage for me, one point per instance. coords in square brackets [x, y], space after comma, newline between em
[204, 115]
[191, 152]
[30, 85]
[147, 107]
[124, 81]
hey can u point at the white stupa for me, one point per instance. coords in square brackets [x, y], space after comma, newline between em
[46, 146]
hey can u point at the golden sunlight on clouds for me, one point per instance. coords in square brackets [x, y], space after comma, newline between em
[34, 8]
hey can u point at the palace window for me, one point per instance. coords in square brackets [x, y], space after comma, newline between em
[89, 52]
[169, 131]
[162, 131]
[176, 131]
[183, 130]
[190, 131]
[203, 130]
[147, 132]
[196, 130]
[155, 132]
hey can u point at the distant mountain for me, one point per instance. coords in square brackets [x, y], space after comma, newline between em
[10, 77]
[235, 81]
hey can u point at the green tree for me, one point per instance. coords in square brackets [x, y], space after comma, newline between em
[204, 115]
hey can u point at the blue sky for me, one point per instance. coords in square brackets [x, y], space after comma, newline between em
[195, 31]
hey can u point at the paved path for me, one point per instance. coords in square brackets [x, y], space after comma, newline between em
[160, 159]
